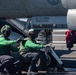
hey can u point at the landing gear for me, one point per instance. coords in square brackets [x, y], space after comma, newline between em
[60, 69]
[54, 62]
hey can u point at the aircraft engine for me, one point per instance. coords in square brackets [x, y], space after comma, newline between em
[69, 4]
[71, 19]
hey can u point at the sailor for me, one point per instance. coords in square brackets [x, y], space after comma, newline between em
[28, 49]
[6, 60]
[70, 38]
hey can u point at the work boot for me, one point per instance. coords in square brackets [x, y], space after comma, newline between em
[32, 71]
[2, 72]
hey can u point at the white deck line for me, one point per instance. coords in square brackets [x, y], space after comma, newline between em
[59, 42]
[61, 30]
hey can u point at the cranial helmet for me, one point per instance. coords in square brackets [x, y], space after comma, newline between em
[31, 31]
[5, 28]
[32, 34]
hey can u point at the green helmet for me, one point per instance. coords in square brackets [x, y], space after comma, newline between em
[5, 28]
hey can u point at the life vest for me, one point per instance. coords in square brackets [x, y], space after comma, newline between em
[22, 49]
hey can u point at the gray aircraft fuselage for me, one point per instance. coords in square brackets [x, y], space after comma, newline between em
[29, 8]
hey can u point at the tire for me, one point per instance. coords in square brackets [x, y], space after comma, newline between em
[41, 64]
[51, 62]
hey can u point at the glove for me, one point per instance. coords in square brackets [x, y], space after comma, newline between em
[47, 45]
[19, 39]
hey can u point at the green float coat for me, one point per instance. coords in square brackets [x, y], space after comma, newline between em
[6, 45]
[29, 45]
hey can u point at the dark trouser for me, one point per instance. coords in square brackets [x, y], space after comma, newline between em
[70, 44]
[7, 61]
[32, 58]
[19, 61]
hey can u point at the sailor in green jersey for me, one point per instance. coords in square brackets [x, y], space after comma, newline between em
[28, 49]
[6, 60]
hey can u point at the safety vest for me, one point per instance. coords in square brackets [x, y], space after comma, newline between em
[22, 49]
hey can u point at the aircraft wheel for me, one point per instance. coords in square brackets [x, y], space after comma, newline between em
[51, 62]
